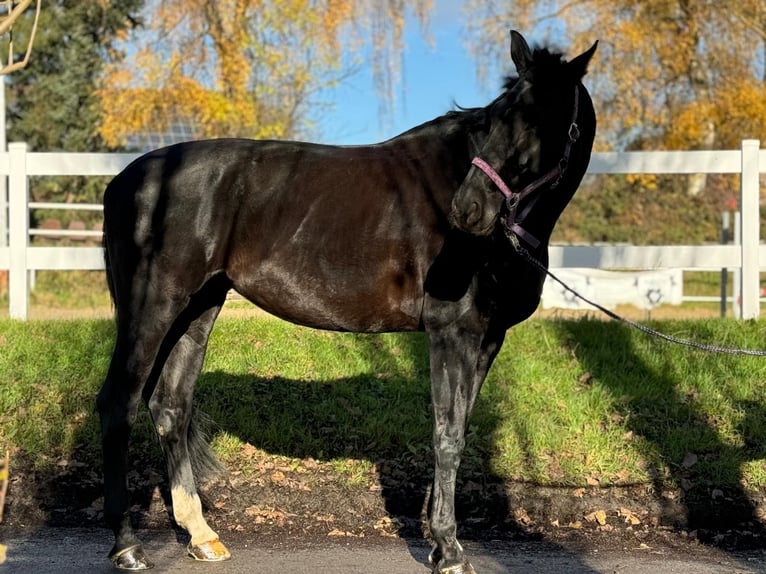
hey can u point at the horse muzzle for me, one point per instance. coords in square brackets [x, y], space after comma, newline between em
[473, 219]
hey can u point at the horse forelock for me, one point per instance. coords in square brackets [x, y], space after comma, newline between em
[546, 68]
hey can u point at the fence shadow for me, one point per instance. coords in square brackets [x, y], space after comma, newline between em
[697, 476]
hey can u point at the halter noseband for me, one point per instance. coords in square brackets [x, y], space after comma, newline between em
[513, 222]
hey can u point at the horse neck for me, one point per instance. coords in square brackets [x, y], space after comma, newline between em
[450, 140]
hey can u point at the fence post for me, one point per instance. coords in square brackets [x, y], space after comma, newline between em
[736, 303]
[3, 177]
[18, 211]
[750, 208]
[725, 234]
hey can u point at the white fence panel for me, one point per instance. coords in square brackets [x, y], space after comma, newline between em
[749, 257]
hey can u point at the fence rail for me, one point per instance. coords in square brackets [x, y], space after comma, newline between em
[748, 256]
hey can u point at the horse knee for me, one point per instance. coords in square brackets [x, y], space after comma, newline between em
[117, 418]
[448, 451]
[169, 423]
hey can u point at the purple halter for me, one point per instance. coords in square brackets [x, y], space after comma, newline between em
[512, 199]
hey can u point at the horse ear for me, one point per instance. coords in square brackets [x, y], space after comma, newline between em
[579, 66]
[520, 53]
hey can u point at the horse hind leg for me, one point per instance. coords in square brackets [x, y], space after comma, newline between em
[136, 350]
[149, 301]
[171, 408]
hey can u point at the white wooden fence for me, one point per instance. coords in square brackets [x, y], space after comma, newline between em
[19, 257]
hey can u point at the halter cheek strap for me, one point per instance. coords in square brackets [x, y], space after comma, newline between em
[512, 200]
[513, 221]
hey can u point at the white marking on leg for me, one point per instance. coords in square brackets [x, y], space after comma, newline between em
[187, 510]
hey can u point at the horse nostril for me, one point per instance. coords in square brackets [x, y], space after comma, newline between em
[472, 214]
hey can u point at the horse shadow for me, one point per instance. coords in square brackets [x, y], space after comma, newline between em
[384, 418]
[694, 462]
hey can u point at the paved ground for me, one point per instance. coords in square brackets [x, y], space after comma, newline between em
[74, 550]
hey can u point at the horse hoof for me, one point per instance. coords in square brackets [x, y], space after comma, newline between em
[462, 568]
[213, 551]
[130, 559]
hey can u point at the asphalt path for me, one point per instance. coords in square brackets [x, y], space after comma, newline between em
[76, 550]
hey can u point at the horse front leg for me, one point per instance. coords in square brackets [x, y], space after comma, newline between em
[460, 360]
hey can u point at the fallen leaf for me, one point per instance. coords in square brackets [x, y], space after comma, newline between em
[337, 532]
[387, 526]
[263, 515]
[521, 517]
[575, 524]
[578, 492]
[629, 516]
[623, 475]
[248, 449]
[597, 516]
[591, 481]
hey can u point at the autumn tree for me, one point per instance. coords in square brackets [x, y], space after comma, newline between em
[247, 67]
[669, 74]
[51, 103]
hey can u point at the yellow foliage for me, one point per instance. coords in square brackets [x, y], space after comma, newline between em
[243, 67]
[668, 73]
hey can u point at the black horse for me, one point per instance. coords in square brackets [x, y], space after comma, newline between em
[410, 234]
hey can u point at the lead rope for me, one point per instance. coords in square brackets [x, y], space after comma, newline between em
[611, 314]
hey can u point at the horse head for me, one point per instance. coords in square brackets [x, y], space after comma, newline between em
[534, 129]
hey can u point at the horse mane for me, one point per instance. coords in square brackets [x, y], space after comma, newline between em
[546, 68]
[547, 64]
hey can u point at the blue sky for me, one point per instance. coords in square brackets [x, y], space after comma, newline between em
[434, 76]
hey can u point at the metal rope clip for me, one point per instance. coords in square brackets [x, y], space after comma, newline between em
[512, 202]
[574, 132]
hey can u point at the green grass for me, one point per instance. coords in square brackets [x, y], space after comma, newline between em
[70, 289]
[65, 289]
[568, 402]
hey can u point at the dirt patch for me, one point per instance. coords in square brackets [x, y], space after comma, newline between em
[308, 501]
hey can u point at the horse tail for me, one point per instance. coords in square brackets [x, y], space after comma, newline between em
[107, 265]
[205, 465]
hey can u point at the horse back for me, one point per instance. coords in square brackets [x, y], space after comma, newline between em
[326, 236]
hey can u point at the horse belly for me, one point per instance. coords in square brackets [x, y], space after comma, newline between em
[339, 298]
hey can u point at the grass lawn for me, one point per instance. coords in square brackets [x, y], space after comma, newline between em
[568, 402]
